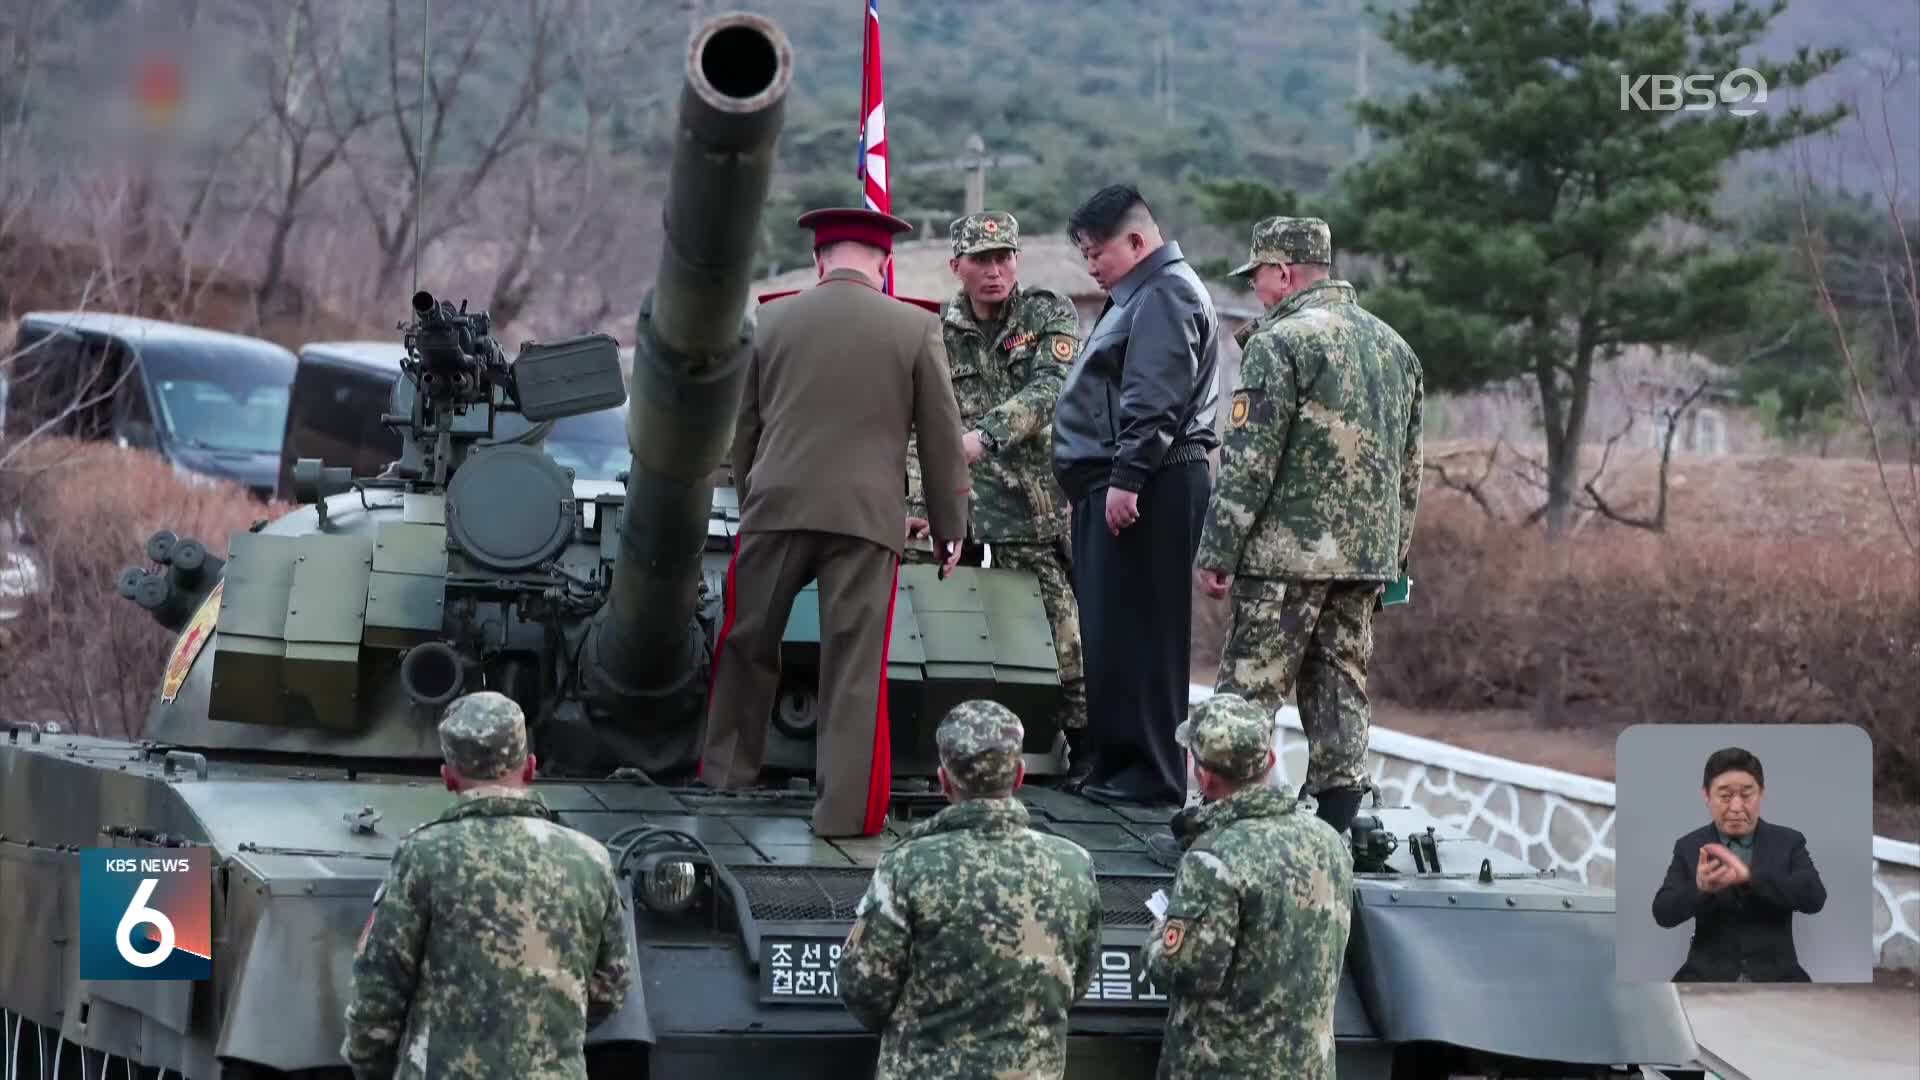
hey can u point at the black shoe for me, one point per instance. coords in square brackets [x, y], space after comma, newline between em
[1112, 792]
[1164, 850]
[1337, 806]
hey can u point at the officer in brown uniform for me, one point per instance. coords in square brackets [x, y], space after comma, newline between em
[840, 373]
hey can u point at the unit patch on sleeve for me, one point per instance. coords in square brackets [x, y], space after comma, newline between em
[1174, 936]
[1250, 406]
[1062, 349]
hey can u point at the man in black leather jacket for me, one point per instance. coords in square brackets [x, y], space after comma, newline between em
[1131, 432]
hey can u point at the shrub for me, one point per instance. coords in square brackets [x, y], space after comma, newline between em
[1703, 624]
[1680, 628]
[78, 653]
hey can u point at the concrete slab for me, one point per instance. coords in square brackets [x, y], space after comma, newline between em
[1793, 1032]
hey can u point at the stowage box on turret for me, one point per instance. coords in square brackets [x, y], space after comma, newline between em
[292, 734]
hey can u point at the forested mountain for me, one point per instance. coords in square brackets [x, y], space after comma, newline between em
[552, 120]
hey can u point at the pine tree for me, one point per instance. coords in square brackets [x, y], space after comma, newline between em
[1532, 217]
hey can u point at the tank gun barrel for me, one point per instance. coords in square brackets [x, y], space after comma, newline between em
[691, 347]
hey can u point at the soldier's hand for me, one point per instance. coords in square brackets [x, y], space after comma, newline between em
[975, 449]
[949, 555]
[916, 527]
[1214, 582]
[1183, 826]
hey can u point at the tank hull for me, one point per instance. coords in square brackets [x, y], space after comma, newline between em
[294, 877]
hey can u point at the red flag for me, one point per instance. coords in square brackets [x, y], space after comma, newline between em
[872, 166]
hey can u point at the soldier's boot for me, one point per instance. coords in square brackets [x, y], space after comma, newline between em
[1072, 715]
[1079, 759]
[1337, 806]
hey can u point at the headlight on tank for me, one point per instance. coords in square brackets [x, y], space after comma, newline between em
[670, 882]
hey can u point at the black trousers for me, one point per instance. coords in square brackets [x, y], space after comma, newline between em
[1135, 593]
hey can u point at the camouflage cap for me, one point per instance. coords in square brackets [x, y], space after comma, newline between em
[484, 735]
[1229, 735]
[1281, 240]
[980, 746]
[989, 230]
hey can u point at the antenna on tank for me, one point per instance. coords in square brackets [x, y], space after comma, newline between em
[420, 182]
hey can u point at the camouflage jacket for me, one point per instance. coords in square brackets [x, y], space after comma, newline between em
[1251, 949]
[1320, 466]
[975, 936]
[497, 940]
[1007, 389]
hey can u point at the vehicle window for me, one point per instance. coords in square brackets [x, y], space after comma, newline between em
[132, 419]
[336, 417]
[223, 415]
[593, 445]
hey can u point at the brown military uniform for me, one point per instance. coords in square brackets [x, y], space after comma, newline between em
[839, 374]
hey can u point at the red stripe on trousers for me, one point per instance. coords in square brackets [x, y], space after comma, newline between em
[726, 627]
[880, 773]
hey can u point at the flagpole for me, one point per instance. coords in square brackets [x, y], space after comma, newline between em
[872, 104]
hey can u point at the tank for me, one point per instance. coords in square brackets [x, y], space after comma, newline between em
[291, 735]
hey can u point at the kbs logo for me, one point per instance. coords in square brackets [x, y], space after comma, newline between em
[146, 913]
[1741, 92]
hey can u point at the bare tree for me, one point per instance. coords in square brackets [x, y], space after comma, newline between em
[305, 62]
[1657, 521]
[1900, 284]
[470, 130]
[568, 226]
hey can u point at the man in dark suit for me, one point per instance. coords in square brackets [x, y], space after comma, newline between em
[1131, 431]
[1740, 880]
[839, 374]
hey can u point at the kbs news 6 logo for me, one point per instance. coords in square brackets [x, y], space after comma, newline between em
[146, 913]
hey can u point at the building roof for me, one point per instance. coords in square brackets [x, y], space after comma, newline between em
[1048, 261]
[138, 331]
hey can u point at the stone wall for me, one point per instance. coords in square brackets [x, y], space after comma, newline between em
[1559, 821]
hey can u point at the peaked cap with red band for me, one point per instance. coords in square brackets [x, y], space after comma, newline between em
[834, 224]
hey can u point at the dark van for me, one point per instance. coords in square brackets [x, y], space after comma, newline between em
[213, 404]
[342, 388]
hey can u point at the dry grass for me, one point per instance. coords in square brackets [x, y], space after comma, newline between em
[1780, 593]
[78, 653]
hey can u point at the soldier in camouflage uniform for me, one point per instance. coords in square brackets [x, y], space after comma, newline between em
[1008, 348]
[977, 933]
[1255, 933]
[1313, 510]
[499, 936]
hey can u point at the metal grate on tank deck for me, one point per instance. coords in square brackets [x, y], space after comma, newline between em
[798, 894]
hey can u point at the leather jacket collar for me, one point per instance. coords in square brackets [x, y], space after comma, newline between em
[1159, 257]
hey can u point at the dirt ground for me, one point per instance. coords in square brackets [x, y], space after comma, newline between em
[1826, 501]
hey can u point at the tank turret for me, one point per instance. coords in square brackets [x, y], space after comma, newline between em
[475, 561]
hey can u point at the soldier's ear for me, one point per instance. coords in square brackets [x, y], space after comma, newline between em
[527, 770]
[1019, 775]
[450, 778]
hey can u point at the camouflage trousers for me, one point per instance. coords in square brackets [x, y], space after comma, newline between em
[1309, 640]
[1049, 561]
